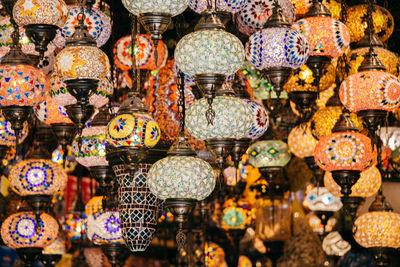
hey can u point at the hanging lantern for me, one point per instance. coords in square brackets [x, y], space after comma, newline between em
[98, 25]
[255, 14]
[50, 113]
[224, 8]
[155, 16]
[104, 228]
[301, 141]
[210, 54]
[277, 49]
[301, 7]
[319, 199]
[7, 134]
[334, 245]
[41, 19]
[269, 153]
[235, 215]
[29, 234]
[378, 230]
[52, 253]
[74, 226]
[145, 52]
[355, 20]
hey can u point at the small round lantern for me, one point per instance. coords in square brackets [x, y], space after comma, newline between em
[270, 153]
[104, 228]
[94, 205]
[49, 112]
[320, 199]
[301, 141]
[7, 134]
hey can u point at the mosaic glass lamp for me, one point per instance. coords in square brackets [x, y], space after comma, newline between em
[235, 215]
[378, 230]
[52, 253]
[145, 52]
[98, 25]
[50, 113]
[301, 7]
[7, 134]
[209, 54]
[320, 199]
[104, 228]
[270, 153]
[255, 14]
[74, 226]
[154, 15]
[41, 19]
[277, 49]
[222, 6]
[301, 142]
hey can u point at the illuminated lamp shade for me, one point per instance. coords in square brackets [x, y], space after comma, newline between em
[51, 12]
[269, 153]
[49, 112]
[382, 19]
[21, 85]
[81, 62]
[277, 47]
[260, 120]
[233, 118]
[230, 6]
[74, 226]
[171, 7]
[324, 119]
[94, 205]
[344, 151]
[301, 141]
[181, 177]
[144, 50]
[98, 24]
[369, 183]
[58, 157]
[303, 78]
[389, 59]
[61, 96]
[214, 255]
[236, 215]
[326, 36]
[104, 228]
[378, 229]
[23, 230]
[301, 7]
[7, 134]
[92, 151]
[37, 176]
[320, 199]
[94, 256]
[370, 90]
[255, 13]
[57, 247]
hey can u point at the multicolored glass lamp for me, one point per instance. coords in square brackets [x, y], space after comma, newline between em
[155, 16]
[28, 234]
[302, 6]
[345, 153]
[210, 54]
[378, 230]
[277, 49]
[41, 19]
[224, 8]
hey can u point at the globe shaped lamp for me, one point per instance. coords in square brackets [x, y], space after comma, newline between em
[7, 134]
[224, 8]
[210, 54]
[29, 234]
[378, 230]
[104, 228]
[155, 16]
[301, 142]
[41, 19]
[277, 49]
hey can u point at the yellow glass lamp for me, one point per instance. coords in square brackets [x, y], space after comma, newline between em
[301, 7]
[301, 142]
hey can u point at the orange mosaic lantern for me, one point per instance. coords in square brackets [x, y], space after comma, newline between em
[301, 7]
[49, 112]
[301, 141]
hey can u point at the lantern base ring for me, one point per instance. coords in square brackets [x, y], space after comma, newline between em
[278, 76]
[239, 149]
[78, 115]
[41, 35]
[103, 175]
[382, 255]
[113, 252]
[82, 89]
[346, 179]
[29, 255]
[38, 203]
[155, 24]
[305, 103]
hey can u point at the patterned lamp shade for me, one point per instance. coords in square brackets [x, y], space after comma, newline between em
[303, 78]
[369, 183]
[171, 7]
[234, 215]
[325, 119]
[231, 6]
[94, 205]
[277, 47]
[333, 244]
[51, 12]
[326, 36]
[104, 228]
[214, 255]
[209, 51]
[94, 256]
[81, 62]
[61, 96]
[49, 112]
[93, 147]
[382, 19]
[301, 141]
[138, 207]
[7, 134]
[181, 177]
[301, 7]
[74, 226]
[144, 50]
[378, 229]
[320, 199]
[233, 118]
[344, 151]
[22, 230]
[270, 153]
[368, 90]
[57, 247]
[21, 85]
[389, 59]
[37, 177]
[260, 120]
[255, 13]
[98, 25]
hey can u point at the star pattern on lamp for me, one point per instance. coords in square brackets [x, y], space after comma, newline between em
[68, 63]
[29, 7]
